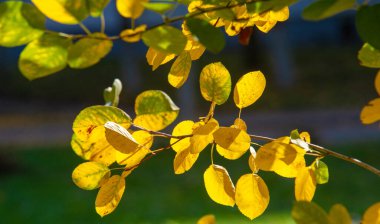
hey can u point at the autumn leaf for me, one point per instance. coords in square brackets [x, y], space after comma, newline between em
[249, 88]
[109, 195]
[207, 219]
[372, 214]
[90, 175]
[219, 185]
[305, 184]
[130, 9]
[202, 135]
[120, 138]
[179, 72]
[184, 160]
[182, 128]
[338, 214]
[233, 139]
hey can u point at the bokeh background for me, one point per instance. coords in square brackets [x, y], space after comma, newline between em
[314, 83]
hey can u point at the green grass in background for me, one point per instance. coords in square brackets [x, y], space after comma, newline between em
[36, 187]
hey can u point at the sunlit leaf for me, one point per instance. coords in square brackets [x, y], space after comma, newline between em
[207, 219]
[240, 123]
[166, 39]
[249, 88]
[88, 51]
[182, 128]
[184, 160]
[109, 195]
[44, 56]
[156, 58]
[339, 215]
[232, 139]
[179, 72]
[368, 25]
[228, 154]
[202, 135]
[63, 11]
[371, 113]
[133, 35]
[90, 175]
[369, 56]
[120, 138]
[252, 163]
[305, 184]
[322, 9]
[20, 23]
[252, 195]
[372, 214]
[215, 83]
[154, 110]
[321, 171]
[219, 185]
[96, 7]
[295, 138]
[130, 8]
[304, 212]
[158, 7]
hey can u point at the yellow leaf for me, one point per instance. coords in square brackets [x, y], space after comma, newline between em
[90, 175]
[133, 35]
[130, 8]
[305, 184]
[281, 157]
[280, 15]
[202, 135]
[156, 58]
[194, 48]
[252, 195]
[207, 219]
[109, 195]
[120, 138]
[240, 123]
[252, 164]
[377, 82]
[182, 128]
[228, 154]
[372, 215]
[371, 113]
[219, 185]
[184, 160]
[339, 215]
[232, 139]
[305, 136]
[63, 11]
[249, 88]
[179, 72]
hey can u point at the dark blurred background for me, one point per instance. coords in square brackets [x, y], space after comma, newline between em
[314, 83]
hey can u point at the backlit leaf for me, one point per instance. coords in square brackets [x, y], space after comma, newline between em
[215, 83]
[371, 113]
[111, 94]
[295, 138]
[182, 128]
[219, 185]
[339, 215]
[166, 39]
[44, 56]
[63, 11]
[249, 88]
[96, 7]
[179, 72]
[88, 51]
[109, 195]
[154, 110]
[252, 163]
[372, 214]
[252, 195]
[232, 139]
[368, 24]
[156, 58]
[130, 8]
[207, 219]
[305, 184]
[158, 7]
[369, 56]
[322, 9]
[120, 138]
[90, 175]
[240, 123]
[133, 35]
[321, 171]
[228, 154]
[184, 160]
[20, 23]
[208, 35]
[304, 212]
[202, 135]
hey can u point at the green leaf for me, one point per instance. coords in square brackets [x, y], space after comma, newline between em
[44, 56]
[111, 94]
[166, 39]
[369, 56]
[304, 212]
[215, 83]
[88, 51]
[208, 35]
[274, 5]
[158, 7]
[90, 175]
[154, 110]
[20, 23]
[295, 134]
[323, 9]
[321, 171]
[368, 24]
[96, 7]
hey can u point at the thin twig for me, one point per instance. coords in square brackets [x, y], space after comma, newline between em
[162, 134]
[84, 28]
[102, 23]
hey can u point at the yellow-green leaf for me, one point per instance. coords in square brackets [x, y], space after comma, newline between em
[371, 113]
[96, 7]
[130, 8]
[90, 175]
[202, 135]
[20, 23]
[305, 184]
[120, 138]
[339, 215]
[372, 214]
[377, 82]
[252, 195]
[44, 56]
[321, 171]
[154, 110]
[326, 8]
[219, 185]
[156, 58]
[159, 7]
[88, 51]
[179, 72]
[369, 56]
[182, 128]
[233, 139]
[304, 212]
[207, 219]
[63, 11]
[228, 154]
[184, 160]
[249, 88]
[109, 195]
[215, 83]
[133, 35]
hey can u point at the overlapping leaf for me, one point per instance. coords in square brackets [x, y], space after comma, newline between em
[233, 139]
[179, 72]
[182, 128]
[202, 135]
[184, 160]
[130, 9]
[156, 58]
[90, 175]
[369, 56]
[322, 9]
[338, 214]
[109, 195]
[305, 184]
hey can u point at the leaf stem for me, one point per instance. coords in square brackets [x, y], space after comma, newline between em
[212, 153]
[84, 28]
[102, 23]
